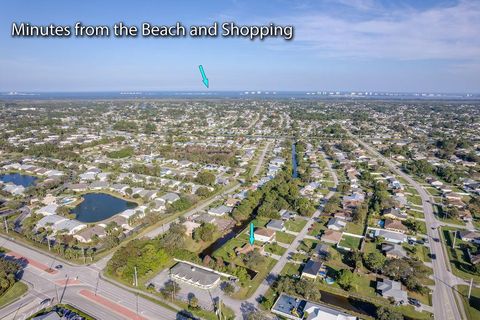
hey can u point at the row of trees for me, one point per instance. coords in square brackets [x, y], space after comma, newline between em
[423, 168]
[8, 271]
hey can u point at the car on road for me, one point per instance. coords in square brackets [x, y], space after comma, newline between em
[433, 256]
[58, 266]
[436, 239]
[414, 302]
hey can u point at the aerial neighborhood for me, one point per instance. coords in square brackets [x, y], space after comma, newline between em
[300, 212]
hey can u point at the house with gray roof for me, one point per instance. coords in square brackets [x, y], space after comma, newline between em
[48, 210]
[220, 211]
[195, 276]
[389, 236]
[311, 269]
[393, 250]
[70, 226]
[274, 224]
[392, 289]
[336, 224]
[170, 197]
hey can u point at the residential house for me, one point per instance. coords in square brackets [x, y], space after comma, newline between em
[48, 210]
[190, 226]
[87, 235]
[311, 269]
[394, 251]
[277, 225]
[220, 211]
[331, 236]
[469, 236]
[321, 251]
[287, 215]
[394, 214]
[70, 226]
[170, 197]
[395, 225]
[392, 289]
[264, 235]
[336, 224]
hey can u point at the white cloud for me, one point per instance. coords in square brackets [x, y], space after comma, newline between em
[402, 33]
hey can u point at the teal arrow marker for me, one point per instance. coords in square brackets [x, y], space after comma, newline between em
[204, 77]
[252, 235]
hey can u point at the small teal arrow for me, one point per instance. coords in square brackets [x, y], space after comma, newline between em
[252, 234]
[204, 77]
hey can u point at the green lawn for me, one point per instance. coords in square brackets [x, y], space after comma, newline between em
[472, 306]
[246, 292]
[295, 225]
[16, 291]
[438, 211]
[355, 228]
[350, 242]
[328, 184]
[415, 200]
[420, 252]
[317, 228]
[275, 249]
[307, 245]
[284, 237]
[291, 269]
[457, 257]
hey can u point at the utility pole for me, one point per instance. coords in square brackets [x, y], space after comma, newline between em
[219, 308]
[136, 277]
[470, 289]
[6, 224]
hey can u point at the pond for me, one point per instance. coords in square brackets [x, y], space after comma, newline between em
[100, 206]
[18, 179]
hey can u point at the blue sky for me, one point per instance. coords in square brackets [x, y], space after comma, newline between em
[339, 45]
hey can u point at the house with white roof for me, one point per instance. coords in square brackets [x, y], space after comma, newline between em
[48, 210]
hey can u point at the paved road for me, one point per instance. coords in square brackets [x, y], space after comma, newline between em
[261, 159]
[44, 284]
[444, 305]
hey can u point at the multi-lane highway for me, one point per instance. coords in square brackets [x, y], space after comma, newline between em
[111, 301]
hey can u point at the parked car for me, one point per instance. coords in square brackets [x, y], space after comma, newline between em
[58, 266]
[414, 302]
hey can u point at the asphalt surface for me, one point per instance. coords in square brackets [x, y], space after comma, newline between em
[45, 285]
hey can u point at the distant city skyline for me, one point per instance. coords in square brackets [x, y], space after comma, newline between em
[339, 45]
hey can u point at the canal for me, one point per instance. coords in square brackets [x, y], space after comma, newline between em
[352, 304]
[238, 228]
[294, 161]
